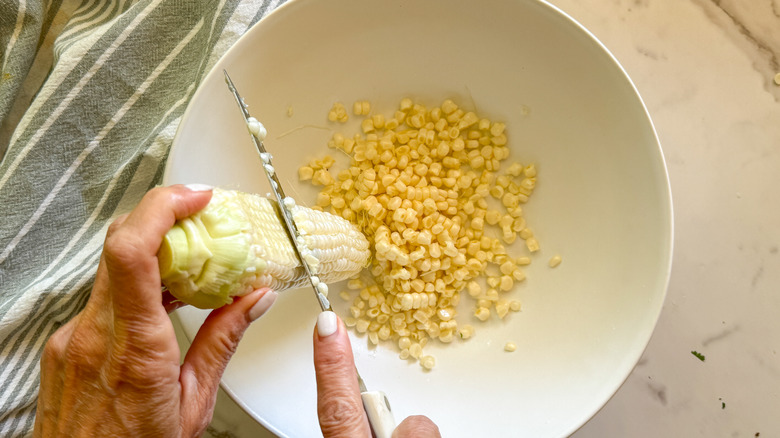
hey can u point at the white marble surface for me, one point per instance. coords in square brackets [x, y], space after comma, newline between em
[705, 69]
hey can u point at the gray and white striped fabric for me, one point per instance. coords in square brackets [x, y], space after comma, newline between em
[91, 93]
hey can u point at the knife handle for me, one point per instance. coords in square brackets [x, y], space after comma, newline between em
[380, 416]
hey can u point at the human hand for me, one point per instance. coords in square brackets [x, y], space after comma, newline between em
[114, 369]
[339, 405]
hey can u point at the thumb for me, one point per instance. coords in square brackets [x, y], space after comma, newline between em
[214, 345]
[339, 406]
[417, 426]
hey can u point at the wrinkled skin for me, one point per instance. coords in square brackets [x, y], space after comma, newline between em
[114, 370]
[339, 405]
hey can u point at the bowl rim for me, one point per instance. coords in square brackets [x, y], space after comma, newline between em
[667, 192]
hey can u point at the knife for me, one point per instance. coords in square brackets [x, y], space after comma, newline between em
[375, 403]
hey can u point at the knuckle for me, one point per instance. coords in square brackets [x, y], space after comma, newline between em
[54, 350]
[226, 342]
[114, 244]
[136, 371]
[114, 226]
[121, 247]
[85, 353]
[337, 357]
[340, 415]
[220, 347]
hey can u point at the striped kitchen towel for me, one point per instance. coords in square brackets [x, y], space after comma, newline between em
[91, 93]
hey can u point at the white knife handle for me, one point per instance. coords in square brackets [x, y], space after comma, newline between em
[380, 417]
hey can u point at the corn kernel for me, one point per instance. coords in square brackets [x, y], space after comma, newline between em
[515, 169]
[415, 350]
[322, 177]
[323, 200]
[510, 200]
[448, 107]
[446, 336]
[482, 313]
[474, 289]
[497, 128]
[523, 261]
[502, 308]
[509, 236]
[305, 173]
[362, 325]
[466, 331]
[507, 267]
[338, 113]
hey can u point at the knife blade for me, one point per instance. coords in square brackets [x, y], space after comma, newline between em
[375, 403]
[278, 191]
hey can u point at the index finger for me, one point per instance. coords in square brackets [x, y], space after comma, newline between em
[339, 405]
[131, 249]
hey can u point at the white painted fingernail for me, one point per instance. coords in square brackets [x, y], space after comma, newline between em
[199, 187]
[262, 305]
[327, 323]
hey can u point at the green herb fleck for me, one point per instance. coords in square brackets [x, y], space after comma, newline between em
[723, 405]
[698, 355]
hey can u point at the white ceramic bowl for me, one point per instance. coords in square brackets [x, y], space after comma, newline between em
[602, 202]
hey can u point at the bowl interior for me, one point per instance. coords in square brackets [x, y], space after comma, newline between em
[602, 202]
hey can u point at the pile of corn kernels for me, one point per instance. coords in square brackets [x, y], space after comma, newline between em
[418, 186]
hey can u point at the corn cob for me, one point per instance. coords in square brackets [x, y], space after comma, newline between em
[238, 243]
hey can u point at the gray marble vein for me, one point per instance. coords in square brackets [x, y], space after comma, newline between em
[754, 26]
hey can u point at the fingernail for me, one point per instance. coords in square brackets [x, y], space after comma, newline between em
[262, 305]
[199, 187]
[327, 323]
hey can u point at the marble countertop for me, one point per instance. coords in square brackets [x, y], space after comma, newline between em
[707, 71]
